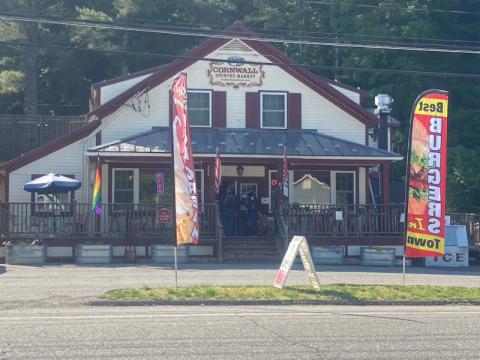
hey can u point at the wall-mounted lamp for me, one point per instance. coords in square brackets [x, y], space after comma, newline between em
[240, 170]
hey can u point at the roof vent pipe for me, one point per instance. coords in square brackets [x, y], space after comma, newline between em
[383, 103]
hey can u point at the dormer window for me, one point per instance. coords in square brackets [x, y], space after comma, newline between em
[200, 108]
[273, 110]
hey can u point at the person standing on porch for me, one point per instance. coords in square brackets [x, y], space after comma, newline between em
[252, 214]
[229, 207]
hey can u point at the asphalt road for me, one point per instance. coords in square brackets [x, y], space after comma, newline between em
[289, 332]
[70, 285]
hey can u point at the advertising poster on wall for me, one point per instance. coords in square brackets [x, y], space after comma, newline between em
[426, 177]
[186, 199]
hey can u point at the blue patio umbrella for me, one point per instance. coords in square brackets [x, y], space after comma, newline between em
[51, 184]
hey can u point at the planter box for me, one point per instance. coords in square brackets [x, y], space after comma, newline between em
[93, 254]
[328, 255]
[26, 255]
[370, 256]
[164, 254]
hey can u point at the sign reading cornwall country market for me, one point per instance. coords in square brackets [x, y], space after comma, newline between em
[426, 178]
[235, 73]
[186, 199]
[298, 244]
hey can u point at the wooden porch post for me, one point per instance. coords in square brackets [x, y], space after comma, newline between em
[386, 182]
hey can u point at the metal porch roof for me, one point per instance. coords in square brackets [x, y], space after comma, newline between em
[300, 143]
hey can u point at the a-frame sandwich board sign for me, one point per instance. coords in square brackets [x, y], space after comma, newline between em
[298, 244]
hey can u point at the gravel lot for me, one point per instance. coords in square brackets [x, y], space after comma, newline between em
[67, 284]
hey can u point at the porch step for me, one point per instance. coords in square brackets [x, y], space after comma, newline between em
[243, 249]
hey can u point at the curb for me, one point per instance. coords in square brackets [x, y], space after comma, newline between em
[278, 302]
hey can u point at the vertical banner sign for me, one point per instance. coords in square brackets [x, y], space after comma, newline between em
[186, 200]
[218, 171]
[285, 172]
[426, 176]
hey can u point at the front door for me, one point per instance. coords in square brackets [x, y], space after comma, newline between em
[247, 218]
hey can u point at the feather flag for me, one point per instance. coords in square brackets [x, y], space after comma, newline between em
[97, 190]
[218, 171]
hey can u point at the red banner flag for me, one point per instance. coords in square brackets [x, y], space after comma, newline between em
[285, 172]
[218, 171]
[426, 176]
[186, 200]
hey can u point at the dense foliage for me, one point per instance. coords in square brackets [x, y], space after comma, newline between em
[57, 79]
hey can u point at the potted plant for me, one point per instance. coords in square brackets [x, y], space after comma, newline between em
[93, 252]
[25, 252]
[164, 254]
[377, 256]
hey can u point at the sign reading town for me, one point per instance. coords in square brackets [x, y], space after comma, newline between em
[235, 72]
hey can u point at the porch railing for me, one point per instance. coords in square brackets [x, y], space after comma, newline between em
[130, 221]
[344, 220]
[155, 222]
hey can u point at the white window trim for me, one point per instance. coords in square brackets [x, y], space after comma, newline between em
[136, 177]
[261, 109]
[333, 186]
[210, 105]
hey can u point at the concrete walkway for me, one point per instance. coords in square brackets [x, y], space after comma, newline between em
[64, 285]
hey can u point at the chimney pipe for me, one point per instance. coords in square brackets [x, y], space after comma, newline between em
[383, 103]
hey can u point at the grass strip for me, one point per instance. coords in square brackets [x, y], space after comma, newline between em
[345, 293]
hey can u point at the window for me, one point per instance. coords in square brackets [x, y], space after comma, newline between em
[312, 187]
[200, 108]
[345, 188]
[155, 186]
[273, 110]
[123, 189]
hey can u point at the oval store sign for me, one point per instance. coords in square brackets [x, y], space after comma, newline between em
[235, 73]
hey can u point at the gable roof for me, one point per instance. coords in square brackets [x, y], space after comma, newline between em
[247, 143]
[310, 79]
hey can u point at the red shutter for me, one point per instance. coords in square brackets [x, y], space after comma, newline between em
[252, 110]
[294, 111]
[219, 119]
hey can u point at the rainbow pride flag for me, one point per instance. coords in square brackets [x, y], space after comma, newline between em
[97, 190]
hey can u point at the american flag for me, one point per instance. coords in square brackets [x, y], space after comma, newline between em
[285, 172]
[218, 171]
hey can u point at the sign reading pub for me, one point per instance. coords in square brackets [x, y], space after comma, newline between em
[235, 72]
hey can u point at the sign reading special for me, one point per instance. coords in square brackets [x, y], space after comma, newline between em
[186, 199]
[427, 169]
[235, 72]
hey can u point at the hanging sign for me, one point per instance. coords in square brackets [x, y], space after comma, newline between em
[298, 244]
[186, 199]
[235, 73]
[426, 177]
[164, 215]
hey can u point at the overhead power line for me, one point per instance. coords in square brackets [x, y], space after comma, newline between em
[231, 35]
[294, 65]
[367, 6]
[275, 31]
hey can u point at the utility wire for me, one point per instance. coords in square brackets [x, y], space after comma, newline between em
[232, 35]
[306, 66]
[262, 31]
[458, 12]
